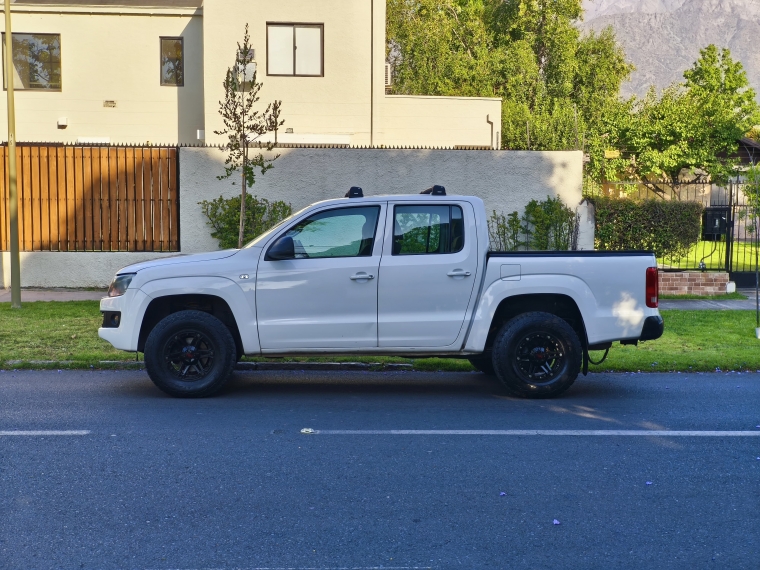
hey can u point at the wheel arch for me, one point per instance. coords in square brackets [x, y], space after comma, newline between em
[561, 305]
[161, 307]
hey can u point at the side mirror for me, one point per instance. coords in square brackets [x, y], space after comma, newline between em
[282, 249]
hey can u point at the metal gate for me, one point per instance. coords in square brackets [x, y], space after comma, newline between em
[741, 238]
[729, 234]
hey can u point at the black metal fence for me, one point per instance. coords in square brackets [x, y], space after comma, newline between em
[729, 233]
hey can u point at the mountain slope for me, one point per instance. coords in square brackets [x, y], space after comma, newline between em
[662, 38]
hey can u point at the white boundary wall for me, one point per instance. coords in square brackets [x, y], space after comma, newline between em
[505, 180]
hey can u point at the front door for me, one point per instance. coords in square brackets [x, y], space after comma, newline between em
[327, 296]
[427, 277]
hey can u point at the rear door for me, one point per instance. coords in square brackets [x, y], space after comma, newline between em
[427, 273]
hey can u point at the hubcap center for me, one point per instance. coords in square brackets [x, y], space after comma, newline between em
[538, 354]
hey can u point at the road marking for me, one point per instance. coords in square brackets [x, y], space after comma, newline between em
[547, 432]
[324, 568]
[46, 432]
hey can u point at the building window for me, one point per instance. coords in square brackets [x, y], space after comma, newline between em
[295, 49]
[172, 62]
[245, 67]
[36, 61]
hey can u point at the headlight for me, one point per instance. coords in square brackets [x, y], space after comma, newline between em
[119, 284]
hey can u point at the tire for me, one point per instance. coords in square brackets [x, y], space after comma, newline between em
[537, 355]
[484, 364]
[190, 354]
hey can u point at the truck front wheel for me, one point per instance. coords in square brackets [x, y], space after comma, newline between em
[537, 355]
[190, 354]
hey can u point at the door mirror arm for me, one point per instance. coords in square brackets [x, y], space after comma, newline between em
[281, 250]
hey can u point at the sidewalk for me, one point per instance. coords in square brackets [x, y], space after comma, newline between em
[30, 295]
[747, 304]
[697, 305]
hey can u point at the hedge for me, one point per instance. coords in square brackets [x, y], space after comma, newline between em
[669, 228]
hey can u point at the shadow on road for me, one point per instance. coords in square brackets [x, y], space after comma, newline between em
[309, 383]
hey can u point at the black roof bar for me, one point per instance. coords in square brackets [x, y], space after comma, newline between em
[435, 190]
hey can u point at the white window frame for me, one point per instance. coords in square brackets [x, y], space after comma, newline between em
[295, 25]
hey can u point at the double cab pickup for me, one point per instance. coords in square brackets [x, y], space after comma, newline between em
[404, 275]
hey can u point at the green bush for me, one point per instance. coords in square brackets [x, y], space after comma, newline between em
[224, 217]
[545, 225]
[669, 228]
[549, 225]
[505, 231]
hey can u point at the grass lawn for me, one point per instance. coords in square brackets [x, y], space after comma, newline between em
[693, 341]
[66, 333]
[714, 256]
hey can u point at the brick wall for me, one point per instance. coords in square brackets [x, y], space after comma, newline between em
[693, 283]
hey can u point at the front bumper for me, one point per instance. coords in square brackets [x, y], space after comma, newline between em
[131, 307]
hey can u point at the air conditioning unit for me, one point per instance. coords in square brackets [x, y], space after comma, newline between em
[388, 77]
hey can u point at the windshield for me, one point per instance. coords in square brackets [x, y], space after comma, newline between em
[263, 237]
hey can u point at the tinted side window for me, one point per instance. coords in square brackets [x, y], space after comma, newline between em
[427, 230]
[345, 232]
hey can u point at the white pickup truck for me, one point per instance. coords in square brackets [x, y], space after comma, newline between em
[408, 275]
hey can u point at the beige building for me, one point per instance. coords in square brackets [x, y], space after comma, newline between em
[121, 71]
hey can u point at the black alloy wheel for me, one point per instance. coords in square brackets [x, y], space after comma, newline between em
[540, 357]
[190, 354]
[537, 355]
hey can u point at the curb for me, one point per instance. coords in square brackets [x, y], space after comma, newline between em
[240, 366]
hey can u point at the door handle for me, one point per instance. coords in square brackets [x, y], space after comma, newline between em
[361, 275]
[459, 273]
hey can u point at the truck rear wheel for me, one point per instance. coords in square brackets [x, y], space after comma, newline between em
[537, 355]
[190, 354]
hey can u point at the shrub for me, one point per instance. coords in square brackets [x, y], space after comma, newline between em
[505, 231]
[224, 217]
[545, 225]
[669, 228]
[549, 225]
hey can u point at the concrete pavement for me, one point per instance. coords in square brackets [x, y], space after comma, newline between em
[706, 305]
[34, 294]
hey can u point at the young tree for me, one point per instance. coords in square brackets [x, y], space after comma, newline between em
[243, 124]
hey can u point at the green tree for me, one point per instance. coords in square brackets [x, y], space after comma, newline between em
[691, 128]
[553, 81]
[243, 124]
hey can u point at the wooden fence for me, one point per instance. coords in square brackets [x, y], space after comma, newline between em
[93, 198]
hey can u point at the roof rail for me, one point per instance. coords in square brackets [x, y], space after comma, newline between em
[354, 192]
[435, 190]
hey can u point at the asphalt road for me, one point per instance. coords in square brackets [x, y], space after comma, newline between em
[146, 481]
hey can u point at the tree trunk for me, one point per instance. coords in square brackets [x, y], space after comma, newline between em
[242, 211]
[244, 142]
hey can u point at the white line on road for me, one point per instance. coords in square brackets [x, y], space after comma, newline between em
[547, 432]
[46, 432]
[323, 568]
